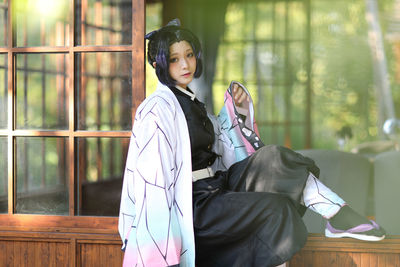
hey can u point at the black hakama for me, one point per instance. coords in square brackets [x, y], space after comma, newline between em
[251, 214]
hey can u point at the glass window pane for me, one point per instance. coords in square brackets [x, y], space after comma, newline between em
[249, 63]
[3, 90]
[280, 20]
[100, 167]
[263, 105]
[41, 88]
[263, 30]
[106, 22]
[3, 22]
[233, 65]
[103, 90]
[297, 136]
[266, 60]
[272, 133]
[3, 176]
[42, 175]
[298, 102]
[42, 23]
[297, 20]
[278, 64]
[234, 26]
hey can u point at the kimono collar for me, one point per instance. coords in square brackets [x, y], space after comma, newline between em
[187, 92]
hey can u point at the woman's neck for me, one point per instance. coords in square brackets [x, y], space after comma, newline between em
[181, 88]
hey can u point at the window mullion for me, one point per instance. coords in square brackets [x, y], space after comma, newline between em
[10, 113]
[308, 128]
[71, 143]
[138, 58]
[10, 138]
[71, 117]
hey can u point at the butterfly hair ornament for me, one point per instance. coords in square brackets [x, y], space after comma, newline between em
[151, 35]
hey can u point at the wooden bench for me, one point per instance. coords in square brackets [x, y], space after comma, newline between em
[320, 251]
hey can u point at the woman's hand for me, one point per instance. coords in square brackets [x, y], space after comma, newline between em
[239, 95]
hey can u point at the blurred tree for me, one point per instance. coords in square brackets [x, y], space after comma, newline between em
[384, 98]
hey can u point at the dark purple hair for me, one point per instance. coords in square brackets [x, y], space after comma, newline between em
[158, 50]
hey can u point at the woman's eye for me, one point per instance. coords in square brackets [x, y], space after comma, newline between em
[172, 60]
[190, 54]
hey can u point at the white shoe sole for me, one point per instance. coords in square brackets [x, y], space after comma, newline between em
[356, 236]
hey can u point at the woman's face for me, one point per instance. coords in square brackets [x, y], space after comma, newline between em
[182, 63]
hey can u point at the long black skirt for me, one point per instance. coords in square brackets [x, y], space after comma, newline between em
[250, 215]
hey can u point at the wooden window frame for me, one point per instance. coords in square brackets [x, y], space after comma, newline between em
[71, 222]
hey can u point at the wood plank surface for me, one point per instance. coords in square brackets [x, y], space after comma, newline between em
[320, 251]
[93, 254]
[31, 253]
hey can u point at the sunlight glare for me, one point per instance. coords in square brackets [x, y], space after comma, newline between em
[47, 7]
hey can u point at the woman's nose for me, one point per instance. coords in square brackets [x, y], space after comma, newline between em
[184, 63]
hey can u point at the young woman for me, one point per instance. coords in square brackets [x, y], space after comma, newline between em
[190, 197]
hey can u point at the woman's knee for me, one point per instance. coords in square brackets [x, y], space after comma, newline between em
[276, 153]
[270, 149]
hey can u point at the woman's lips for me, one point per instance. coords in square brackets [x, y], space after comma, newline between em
[186, 74]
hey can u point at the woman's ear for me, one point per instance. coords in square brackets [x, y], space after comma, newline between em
[154, 64]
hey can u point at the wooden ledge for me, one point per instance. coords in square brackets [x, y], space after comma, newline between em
[318, 242]
[60, 224]
[342, 252]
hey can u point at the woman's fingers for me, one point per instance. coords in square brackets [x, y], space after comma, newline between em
[243, 97]
[239, 95]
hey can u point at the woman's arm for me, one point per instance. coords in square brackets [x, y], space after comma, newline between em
[237, 120]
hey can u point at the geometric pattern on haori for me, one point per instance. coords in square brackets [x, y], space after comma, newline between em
[152, 216]
[156, 217]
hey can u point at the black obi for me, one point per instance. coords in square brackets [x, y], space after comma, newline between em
[201, 131]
